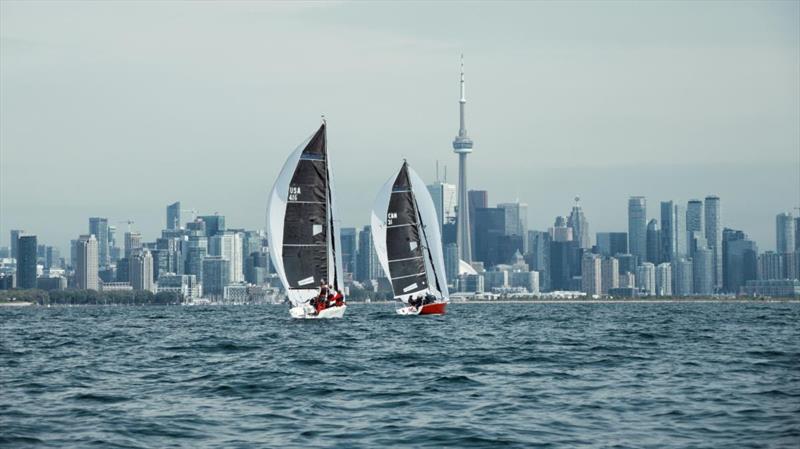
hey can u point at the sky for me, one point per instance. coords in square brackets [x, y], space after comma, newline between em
[117, 109]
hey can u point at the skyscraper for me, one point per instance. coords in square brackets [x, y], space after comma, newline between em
[214, 224]
[349, 249]
[489, 227]
[141, 270]
[694, 220]
[591, 274]
[646, 278]
[653, 242]
[15, 233]
[367, 266]
[784, 233]
[637, 227]
[228, 244]
[681, 237]
[462, 145]
[713, 225]
[216, 270]
[99, 227]
[87, 263]
[444, 201]
[539, 256]
[612, 243]
[451, 262]
[174, 215]
[560, 232]
[516, 219]
[610, 271]
[664, 279]
[683, 284]
[702, 271]
[667, 230]
[26, 261]
[580, 226]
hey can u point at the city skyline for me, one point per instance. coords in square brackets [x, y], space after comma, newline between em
[144, 151]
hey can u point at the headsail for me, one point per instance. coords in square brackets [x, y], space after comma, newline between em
[408, 249]
[301, 234]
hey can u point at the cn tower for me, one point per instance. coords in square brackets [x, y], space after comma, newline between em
[462, 146]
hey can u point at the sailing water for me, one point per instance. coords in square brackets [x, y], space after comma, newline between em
[675, 375]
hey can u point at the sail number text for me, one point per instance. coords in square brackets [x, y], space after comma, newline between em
[294, 192]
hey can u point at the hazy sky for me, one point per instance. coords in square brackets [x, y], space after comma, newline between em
[117, 109]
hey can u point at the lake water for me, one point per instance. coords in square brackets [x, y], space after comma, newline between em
[675, 375]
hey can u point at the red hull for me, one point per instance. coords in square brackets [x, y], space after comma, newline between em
[436, 308]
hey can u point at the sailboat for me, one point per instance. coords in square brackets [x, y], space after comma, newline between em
[303, 235]
[405, 233]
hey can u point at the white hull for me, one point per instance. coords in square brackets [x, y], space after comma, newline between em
[408, 310]
[307, 312]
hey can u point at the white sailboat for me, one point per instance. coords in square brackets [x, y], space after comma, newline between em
[303, 236]
[406, 236]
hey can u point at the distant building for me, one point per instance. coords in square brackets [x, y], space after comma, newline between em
[174, 215]
[51, 283]
[14, 243]
[580, 226]
[367, 265]
[713, 234]
[637, 227]
[445, 198]
[703, 271]
[349, 250]
[770, 266]
[490, 226]
[86, 270]
[653, 242]
[681, 236]
[664, 279]
[646, 278]
[740, 260]
[694, 221]
[683, 283]
[184, 284]
[626, 280]
[627, 263]
[26, 261]
[591, 274]
[529, 280]
[784, 233]
[560, 232]
[612, 243]
[133, 242]
[777, 288]
[451, 262]
[538, 257]
[194, 260]
[216, 275]
[668, 247]
[141, 270]
[477, 199]
[98, 226]
[565, 263]
[516, 219]
[214, 224]
[228, 244]
[610, 274]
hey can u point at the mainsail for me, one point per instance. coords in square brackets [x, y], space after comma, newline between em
[406, 236]
[303, 239]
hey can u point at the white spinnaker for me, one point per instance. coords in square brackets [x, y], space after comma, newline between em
[378, 223]
[276, 212]
[434, 239]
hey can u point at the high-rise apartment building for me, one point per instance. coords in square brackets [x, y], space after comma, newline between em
[516, 218]
[637, 227]
[26, 261]
[668, 247]
[702, 271]
[214, 224]
[87, 263]
[713, 229]
[367, 265]
[141, 270]
[694, 221]
[610, 274]
[646, 278]
[591, 274]
[784, 233]
[683, 283]
[664, 279]
[653, 242]
[133, 241]
[13, 244]
[216, 272]
[228, 244]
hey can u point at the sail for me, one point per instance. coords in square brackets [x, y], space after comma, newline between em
[430, 223]
[299, 221]
[402, 239]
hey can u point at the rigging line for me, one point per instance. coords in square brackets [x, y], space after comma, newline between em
[427, 246]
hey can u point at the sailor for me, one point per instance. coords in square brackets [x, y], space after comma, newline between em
[429, 298]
